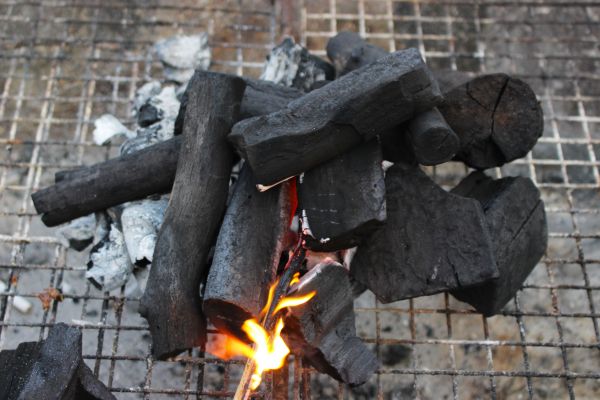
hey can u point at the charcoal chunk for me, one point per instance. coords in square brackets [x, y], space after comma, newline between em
[516, 221]
[432, 241]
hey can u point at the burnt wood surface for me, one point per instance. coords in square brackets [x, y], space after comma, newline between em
[171, 302]
[430, 139]
[497, 118]
[336, 117]
[516, 221]
[343, 200]
[432, 241]
[343, 355]
[308, 323]
[247, 253]
[85, 190]
[51, 369]
[260, 97]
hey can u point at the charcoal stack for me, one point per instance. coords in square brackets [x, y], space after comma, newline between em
[255, 167]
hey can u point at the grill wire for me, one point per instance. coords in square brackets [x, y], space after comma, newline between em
[64, 63]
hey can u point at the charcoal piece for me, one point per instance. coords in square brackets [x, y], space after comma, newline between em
[79, 233]
[331, 120]
[307, 324]
[343, 355]
[147, 115]
[109, 266]
[89, 387]
[145, 93]
[171, 302]
[16, 365]
[426, 139]
[291, 65]
[260, 98]
[181, 55]
[516, 221]
[343, 200]
[140, 222]
[497, 118]
[432, 241]
[247, 253]
[117, 181]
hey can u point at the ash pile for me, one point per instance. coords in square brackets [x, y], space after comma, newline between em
[235, 193]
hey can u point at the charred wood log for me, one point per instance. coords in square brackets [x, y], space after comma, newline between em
[322, 330]
[432, 241]
[52, 369]
[343, 200]
[430, 139]
[497, 118]
[85, 190]
[336, 117]
[516, 220]
[247, 253]
[343, 355]
[171, 302]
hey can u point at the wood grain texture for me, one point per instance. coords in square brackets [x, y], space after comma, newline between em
[336, 117]
[432, 241]
[343, 200]
[516, 221]
[247, 253]
[171, 302]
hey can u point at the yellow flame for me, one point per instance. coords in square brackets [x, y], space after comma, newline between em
[295, 278]
[294, 301]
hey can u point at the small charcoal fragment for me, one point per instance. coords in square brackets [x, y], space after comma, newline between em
[432, 241]
[291, 65]
[79, 233]
[340, 115]
[516, 220]
[247, 253]
[147, 115]
[348, 51]
[145, 93]
[171, 302]
[342, 201]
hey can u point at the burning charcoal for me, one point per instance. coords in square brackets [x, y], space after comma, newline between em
[343, 200]
[291, 65]
[516, 220]
[138, 175]
[308, 323]
[140, 221]
[181, 55]
[343, 355]
[145, 93]
[79, 233]
[426, 139]
[331, 120]
[107, 127]
[497, 118]
[247, 253]
[109, 266]
[432, 241]
[171, 302]
[58, 370]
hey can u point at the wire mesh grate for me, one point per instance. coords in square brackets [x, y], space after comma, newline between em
[63, 63]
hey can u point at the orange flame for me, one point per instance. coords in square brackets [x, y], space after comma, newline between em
[269, 350]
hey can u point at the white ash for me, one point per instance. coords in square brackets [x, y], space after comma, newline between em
[79, 233]
[140, 221]
[290, 64]
[109, 266]
[166, 102]
[181, 55]
[107, 127]
[145, 93]
[136, 285]
[21, 304]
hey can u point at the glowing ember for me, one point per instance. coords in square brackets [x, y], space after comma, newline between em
[269, 350]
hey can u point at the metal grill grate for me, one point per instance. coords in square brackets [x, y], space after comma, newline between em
[63, 63]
